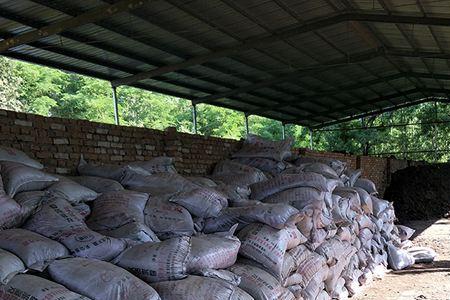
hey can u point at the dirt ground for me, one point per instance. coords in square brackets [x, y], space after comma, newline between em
[423, 281]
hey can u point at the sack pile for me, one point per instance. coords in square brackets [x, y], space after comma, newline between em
[259, 227]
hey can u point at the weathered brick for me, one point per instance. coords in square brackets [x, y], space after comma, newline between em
[56, 126]
[62, 170]
[116, 145]
[100, 130]
[60, 141]
[25, 138]
[23, 123]
[43, 155]
[61, 155]
[103, 144]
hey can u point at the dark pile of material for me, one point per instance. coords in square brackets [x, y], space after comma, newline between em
[421, 192]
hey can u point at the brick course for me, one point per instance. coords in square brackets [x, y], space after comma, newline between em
[58, 143]
[377, 169]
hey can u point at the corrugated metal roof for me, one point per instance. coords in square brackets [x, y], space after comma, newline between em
[312, 63]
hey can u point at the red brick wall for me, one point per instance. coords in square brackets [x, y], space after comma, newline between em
[377, 169]
[58, 143]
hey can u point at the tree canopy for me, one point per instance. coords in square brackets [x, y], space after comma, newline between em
[35, 89]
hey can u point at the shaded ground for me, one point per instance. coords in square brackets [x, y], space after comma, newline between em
[423, 281]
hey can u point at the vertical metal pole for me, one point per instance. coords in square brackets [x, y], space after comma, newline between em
[405, 137]
[310, 139]
[194, 117]
[116, 106]
[435, 132]
[283, 131]
[247, 130]
[362, 142]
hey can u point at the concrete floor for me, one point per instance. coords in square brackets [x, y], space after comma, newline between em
[424, 281]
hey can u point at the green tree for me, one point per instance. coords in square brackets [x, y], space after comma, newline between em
[221, 122]
[267, 128]
[39, 88]
[146, 109]
[85, 98]
[9, 85]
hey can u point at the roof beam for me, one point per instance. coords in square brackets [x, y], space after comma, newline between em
[388, 7]
[112, 65]
[104, 63]
[431, 76]
[380, 111]
[368, 83]
[97, 61]
[350, 87]
[371, 101]
[414, 53]
[384, 98]
[256, 20]
[375, 112]
[364, 56]
[247, 45]
[440, 46]
[395, 64]
[400, 66]
[437, 90]
[93, 15]
[100, 62]
[396, 18]
[371, 39]
[298, 17]
[286, 93]
[322, 67]
[69, 68]
[284, 34]
[104, 24]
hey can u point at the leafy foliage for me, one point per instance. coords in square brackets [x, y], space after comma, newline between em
[44, 91]
[9, 85]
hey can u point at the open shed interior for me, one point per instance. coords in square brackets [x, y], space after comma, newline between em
[89, 209]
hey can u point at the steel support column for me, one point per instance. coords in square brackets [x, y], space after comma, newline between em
[283, 131]
[116, 106]
[247, 130]
[404, 139]
[194, 117]
[435, 132]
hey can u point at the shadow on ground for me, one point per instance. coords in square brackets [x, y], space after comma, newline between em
[421, 225]
[436, 266]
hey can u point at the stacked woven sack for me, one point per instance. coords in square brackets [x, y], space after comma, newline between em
[345, 237]
[257, 228]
